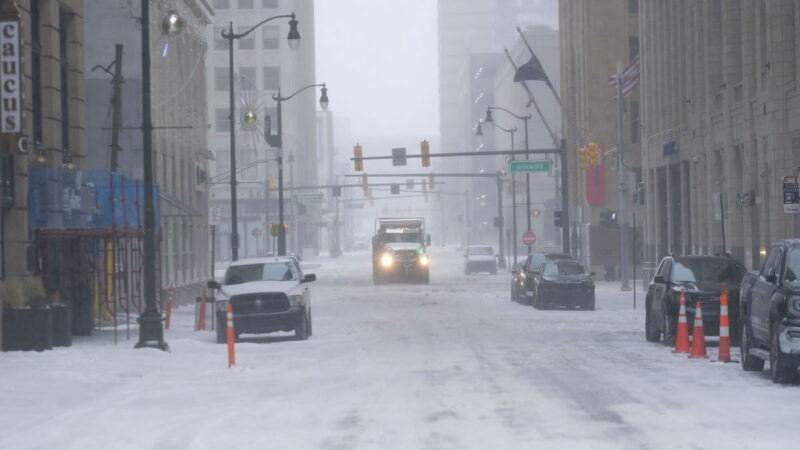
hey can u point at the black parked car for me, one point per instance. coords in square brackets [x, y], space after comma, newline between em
[522, 275]
[563, 283]
[701, 278]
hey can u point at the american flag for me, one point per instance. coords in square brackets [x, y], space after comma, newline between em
[630, 77]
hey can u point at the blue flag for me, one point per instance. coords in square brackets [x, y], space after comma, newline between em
[531, 70]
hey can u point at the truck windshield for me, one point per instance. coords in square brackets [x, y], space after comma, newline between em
[278, 271]
[793, 266]
[707, 270]
[401, 237]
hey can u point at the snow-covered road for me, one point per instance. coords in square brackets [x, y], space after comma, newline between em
[452, 365]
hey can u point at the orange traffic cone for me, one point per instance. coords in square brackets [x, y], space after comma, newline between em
[682, 338]
[698, 335]
[724, 330]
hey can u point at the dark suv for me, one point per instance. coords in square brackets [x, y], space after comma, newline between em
[701, 279]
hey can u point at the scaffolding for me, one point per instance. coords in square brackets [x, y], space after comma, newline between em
[89, 233]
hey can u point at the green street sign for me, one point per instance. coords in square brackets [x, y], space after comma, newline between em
[316, 196]
[355, 205]
[541, 165]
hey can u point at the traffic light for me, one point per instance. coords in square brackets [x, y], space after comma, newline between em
[425, 190]
[273, 183]
[608, 218]
[395, 188]
[594, 154]
[409, 183]
[536, 213]
[557, 218]
[358, 153]
[585, 158]
[365, 184]
[432, 182]
[337, 191]
[425, 149]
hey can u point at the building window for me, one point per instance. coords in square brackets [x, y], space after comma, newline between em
[248, 42]
[272, 78]
[221, 79]
[64, 62]
[248, 75]
[222, 120]
[633, 6]
[271, 38]
[269, 3]
[36, 70]
[222, 4]
[245, 4]
[220, 43]
[633, 47]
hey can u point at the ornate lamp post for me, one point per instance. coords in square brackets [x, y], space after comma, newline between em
[294, 41]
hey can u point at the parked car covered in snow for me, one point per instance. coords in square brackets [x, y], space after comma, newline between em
[480, 258]
[267, 295]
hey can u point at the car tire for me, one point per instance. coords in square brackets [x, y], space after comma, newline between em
[590, 305]
[750, 363]
[670, 327]
[301, 331]
[310, 328]
[780, 372]
[651, 333]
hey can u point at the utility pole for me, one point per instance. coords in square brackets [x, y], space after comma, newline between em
[499, 224]
[116, 118]
[623, 222]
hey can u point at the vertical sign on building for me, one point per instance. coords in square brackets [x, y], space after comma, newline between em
[10, 89]
[791, 195]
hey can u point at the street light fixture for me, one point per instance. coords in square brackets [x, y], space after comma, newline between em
[525, 119]
[173, 24]
[277, 142]
[294, 42]
[479, 131]
[513, 182]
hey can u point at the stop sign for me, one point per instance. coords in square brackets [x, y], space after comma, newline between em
[529, 238]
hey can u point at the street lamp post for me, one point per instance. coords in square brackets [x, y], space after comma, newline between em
[294, 41]
[525, 119]
[277, 142]
[511, 131]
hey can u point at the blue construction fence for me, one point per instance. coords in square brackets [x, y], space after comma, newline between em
[86, 199]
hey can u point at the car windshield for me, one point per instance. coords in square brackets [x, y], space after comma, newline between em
[481, 251]
[246, 273]
[707, 270]
[793, 266]
[537, 259]
[570, 268]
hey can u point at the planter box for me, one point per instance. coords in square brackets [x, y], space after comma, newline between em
[27, 329]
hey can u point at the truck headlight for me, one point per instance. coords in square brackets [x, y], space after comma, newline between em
[296, 300]
[387, 259]
[423, 260]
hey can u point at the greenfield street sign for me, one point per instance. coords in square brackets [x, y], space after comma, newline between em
[541, 165]
[355, 205]
[316, 196]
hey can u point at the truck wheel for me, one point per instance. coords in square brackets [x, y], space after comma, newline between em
[779, 370]
[670, 328]
[301, 332]
[749, 362]
[425, 278]
[651, 333]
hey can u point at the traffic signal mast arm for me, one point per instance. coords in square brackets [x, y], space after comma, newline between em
[545, 151]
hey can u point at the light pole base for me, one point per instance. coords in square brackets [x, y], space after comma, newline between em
[151, 332]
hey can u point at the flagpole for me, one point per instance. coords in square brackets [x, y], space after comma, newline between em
[622, 220]
[549, 84]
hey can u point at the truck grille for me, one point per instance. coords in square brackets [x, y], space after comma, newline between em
[259, 303]
[406, 255]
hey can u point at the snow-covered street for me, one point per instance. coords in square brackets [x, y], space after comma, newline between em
[450, 365]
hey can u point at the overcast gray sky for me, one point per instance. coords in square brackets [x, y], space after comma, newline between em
[379, 59]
